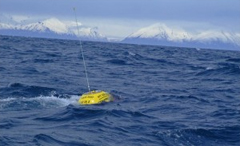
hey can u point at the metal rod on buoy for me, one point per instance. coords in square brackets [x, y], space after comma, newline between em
[81, 48]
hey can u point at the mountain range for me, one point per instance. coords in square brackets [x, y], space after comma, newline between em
[156, 34]
[53, 28]
[160, 34]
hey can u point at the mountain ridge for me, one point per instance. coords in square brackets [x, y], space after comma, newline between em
[156, 34]
[160, 34]
[52, 28]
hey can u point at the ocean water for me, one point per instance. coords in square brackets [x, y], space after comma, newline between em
[164, 96]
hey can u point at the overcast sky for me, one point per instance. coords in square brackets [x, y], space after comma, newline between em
[118, 18]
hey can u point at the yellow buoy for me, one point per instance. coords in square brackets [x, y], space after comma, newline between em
[91, 97]
[95, 97]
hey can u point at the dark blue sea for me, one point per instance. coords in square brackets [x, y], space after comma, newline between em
[164, 96]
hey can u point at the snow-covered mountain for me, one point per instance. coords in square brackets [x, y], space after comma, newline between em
[52, 24]
[157, 34]
[160, 34]
[52, 28]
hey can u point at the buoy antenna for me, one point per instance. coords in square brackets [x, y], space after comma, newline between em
[81, 48]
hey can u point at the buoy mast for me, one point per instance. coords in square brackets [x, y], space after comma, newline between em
[91, 97]
[81, 48]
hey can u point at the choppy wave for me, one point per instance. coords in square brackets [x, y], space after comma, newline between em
[163, 95]
[219, 136]
[23, 103]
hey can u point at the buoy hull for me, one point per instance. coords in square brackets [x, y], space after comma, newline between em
[95, 97]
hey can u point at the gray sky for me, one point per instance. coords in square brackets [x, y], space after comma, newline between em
[118, 18]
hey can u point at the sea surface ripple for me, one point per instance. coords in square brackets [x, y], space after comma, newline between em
[163, 95]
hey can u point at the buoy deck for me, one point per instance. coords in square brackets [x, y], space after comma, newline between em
[95, 97]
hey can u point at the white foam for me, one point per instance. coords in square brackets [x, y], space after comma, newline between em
[209, 68]
[131, 53]
[7, 99]
[40, 101]
[56, 100]
[198, 49]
